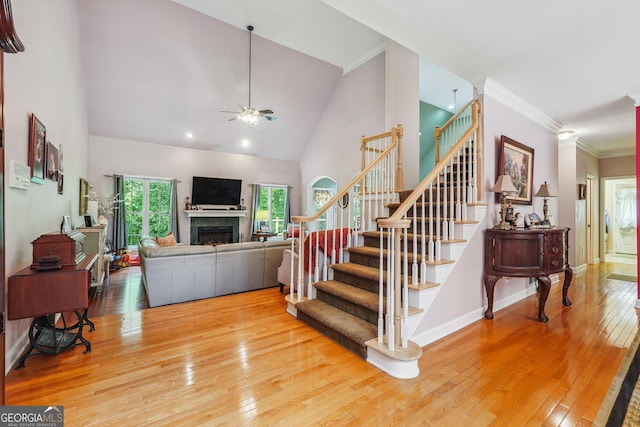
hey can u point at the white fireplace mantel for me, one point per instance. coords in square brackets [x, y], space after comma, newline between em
[204, 213]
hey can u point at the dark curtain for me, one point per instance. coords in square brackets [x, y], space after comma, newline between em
[119, 213]
[255, 205]
[287, 208]
[173, 213]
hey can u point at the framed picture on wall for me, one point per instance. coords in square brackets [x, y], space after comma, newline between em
[37, 147]
[582, 191]
[516, 160]
[52, 162]
[84, 196]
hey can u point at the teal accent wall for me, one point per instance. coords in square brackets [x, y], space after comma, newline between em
[430, 117]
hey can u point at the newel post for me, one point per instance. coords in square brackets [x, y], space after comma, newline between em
[437, 132]
[400, 171]
[476, 112]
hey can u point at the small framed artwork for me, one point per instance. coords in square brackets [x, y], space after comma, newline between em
[552, 221]
[60, 183]
[582, 191]
[84, 196]
[516, 160]
[37, 147]
[88, 222]
[52, 162]
[265, 229]
[60, 158]
[66, 224]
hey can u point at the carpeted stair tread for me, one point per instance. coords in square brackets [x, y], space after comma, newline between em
[358, 296]
[370, 273]
[349, 293]
[337, 320]
[385, 234]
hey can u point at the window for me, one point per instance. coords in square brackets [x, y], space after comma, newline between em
[148, 205]
[320, 198]
[273, 199]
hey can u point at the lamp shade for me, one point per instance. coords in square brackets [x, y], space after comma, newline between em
[504, 185]
[544, 191]
[262, 215]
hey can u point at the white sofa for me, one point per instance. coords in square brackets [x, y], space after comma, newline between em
[186, 273]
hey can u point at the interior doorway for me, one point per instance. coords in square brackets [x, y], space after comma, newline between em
[619, 220]
[590, 219]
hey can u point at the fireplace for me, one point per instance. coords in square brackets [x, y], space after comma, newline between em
[212, 230]
[215, 235]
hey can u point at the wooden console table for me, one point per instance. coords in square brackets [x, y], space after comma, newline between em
[42, 294]
[527, 253]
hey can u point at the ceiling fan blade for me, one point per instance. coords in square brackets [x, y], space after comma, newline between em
[227, 111]
[232, 118]
[265, 112]
[270, 118]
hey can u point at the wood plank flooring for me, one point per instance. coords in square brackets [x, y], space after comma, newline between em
[242, 360]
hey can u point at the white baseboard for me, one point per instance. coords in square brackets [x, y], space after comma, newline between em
[580, 269]
[441, 331]
[15, 351]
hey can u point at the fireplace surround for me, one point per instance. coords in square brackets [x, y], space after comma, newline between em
[215, 235]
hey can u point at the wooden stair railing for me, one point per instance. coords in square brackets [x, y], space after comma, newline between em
[353, 209]
[433, 208]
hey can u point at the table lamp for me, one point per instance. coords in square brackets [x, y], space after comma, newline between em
[261, 216]
[545, 191]
[503, 186]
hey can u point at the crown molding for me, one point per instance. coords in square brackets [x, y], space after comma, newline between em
[587, 148]
[636, 98]
[508, 99]
[365, 58]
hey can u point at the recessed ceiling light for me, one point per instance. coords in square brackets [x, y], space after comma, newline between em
[188, 134]
[565, 134]
[245, 142]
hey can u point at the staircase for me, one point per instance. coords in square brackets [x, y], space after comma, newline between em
[372, 298]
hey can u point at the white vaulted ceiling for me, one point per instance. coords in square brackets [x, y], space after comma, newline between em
[157, 68]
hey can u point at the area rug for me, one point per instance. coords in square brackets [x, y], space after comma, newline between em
[621, 406]
[624, 277]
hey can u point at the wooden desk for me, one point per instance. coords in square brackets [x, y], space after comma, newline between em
[527, 253]
[42, 294]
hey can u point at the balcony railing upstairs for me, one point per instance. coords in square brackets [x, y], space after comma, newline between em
[426, 218]
[325, 235]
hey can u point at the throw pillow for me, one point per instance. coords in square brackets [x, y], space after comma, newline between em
[170, 240]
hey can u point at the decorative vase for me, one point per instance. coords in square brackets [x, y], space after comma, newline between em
[102, 220]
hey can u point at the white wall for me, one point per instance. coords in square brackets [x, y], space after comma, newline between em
[402, 105]
[45, 80]
[463, 299]
[356, 109]
[108, 156]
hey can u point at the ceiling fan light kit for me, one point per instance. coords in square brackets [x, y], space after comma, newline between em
[248, 114]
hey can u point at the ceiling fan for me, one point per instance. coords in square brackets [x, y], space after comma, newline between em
[247, 113]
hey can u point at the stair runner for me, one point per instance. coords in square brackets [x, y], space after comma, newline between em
[346, 308]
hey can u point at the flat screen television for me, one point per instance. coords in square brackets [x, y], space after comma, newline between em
[215, 191]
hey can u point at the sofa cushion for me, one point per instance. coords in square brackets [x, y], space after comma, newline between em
[168, 241]
[239, 246]
[277, 243]
[179, 250]
[146, 245]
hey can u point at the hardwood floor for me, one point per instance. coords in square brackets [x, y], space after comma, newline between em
[121, 293]
[242, 360]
